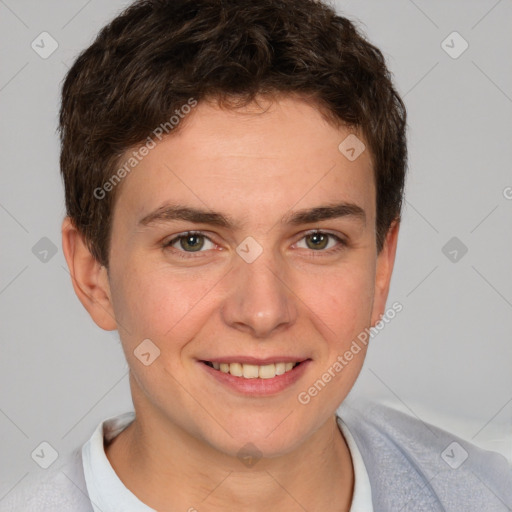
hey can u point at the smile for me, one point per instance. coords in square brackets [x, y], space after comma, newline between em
[253, 371]
[250, 376]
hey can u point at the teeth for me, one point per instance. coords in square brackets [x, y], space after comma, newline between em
[267, 372]
[236, 369]
[280, 368]
[252, 371]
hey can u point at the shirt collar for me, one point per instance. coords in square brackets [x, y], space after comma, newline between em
[362, 496]
[108, 493]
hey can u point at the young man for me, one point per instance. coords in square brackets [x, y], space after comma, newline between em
[234, 173]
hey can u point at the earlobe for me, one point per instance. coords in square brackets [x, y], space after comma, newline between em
[384, 270]
[89, 277]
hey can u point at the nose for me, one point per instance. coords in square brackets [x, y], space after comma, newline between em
[259, 301]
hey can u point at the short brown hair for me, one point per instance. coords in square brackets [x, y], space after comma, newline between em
[157, 54]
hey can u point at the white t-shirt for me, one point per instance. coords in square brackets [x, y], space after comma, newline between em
[413, 466]
[108, 494]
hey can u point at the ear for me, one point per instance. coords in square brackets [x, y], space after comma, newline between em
[89, 277]
[384, 269]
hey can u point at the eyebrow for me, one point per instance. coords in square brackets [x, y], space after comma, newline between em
[167, 213]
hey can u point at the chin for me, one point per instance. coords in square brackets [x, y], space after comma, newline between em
[270, 436]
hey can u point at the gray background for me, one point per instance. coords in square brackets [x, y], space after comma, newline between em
[446, 358]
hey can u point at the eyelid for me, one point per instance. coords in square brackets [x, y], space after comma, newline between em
[321, 230]
[184, 234]
[340, 239]
[342, 243]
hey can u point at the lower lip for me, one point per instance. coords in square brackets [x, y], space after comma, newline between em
[258, 387]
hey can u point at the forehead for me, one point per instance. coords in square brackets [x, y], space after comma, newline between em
[251, 163]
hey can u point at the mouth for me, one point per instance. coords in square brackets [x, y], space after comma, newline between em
[253, 371]
[253, 377]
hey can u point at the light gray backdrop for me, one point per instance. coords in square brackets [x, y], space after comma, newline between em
[446, 358]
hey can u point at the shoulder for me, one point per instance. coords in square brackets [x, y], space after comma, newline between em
[413, 465]
[59, 488]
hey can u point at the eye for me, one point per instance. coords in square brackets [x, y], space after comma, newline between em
[321, 241]
[185, 244]
[190, 242]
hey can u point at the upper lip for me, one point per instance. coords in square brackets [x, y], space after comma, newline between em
[257, 361]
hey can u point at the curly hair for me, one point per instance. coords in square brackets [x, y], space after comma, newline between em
[158, 54]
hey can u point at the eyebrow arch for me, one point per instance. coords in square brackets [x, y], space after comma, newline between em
[327, 212]
[177, 212]
[168, 213]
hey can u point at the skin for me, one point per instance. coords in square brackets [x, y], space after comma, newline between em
[181, 451]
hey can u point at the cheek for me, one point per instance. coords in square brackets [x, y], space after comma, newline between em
[343, 301]
[153, 303]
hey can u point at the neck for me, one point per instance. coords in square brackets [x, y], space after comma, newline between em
[167, 468]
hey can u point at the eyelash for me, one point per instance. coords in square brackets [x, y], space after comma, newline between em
[342, 244]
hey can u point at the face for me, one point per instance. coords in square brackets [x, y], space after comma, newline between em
[225, 256]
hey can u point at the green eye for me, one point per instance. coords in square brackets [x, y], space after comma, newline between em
[192, 242]
[317, 241]
[189, 242]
